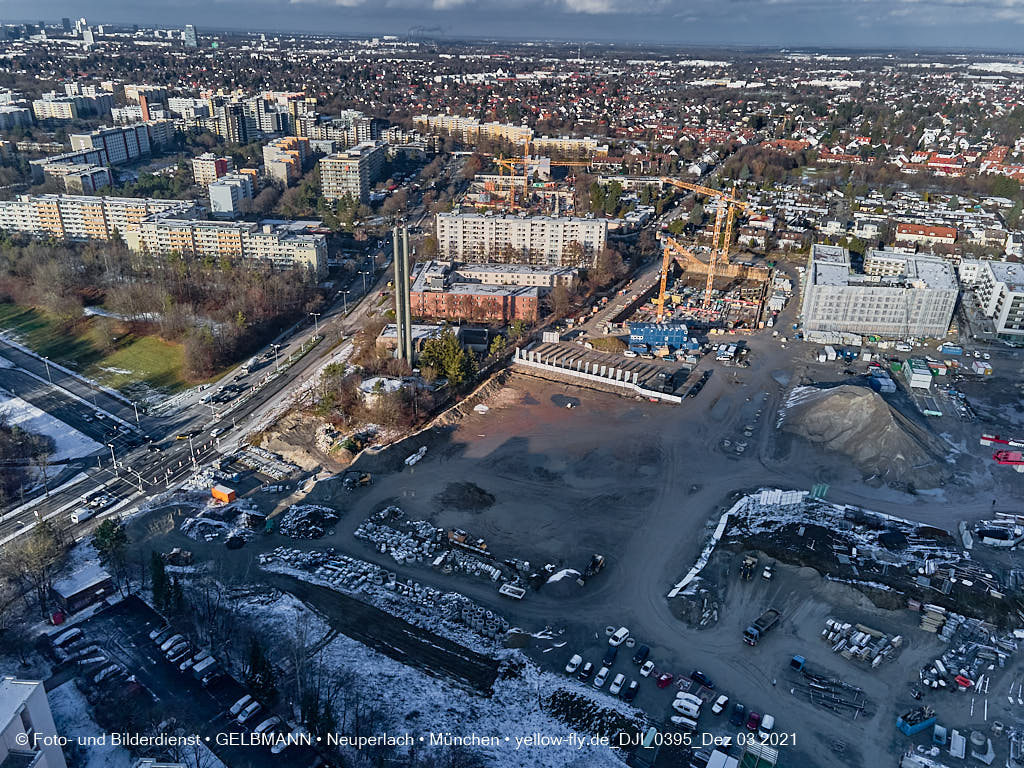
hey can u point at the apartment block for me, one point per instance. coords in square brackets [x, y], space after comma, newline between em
[207, 168]
[914, 301]
[284, 159]
[1000, 291]
[27, 731]
[71, 107]
[540, 240]
[122, 145]
[278, 244]
[230, 194]
[542, 278]
[73, 217]
[353, 172]
[80, 179]
[470, 130]
[12, 117]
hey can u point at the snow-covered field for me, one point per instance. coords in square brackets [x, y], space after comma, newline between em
[421, 705]
[70, 443]
[72, 718]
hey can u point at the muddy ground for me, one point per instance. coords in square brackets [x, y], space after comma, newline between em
[639, 483]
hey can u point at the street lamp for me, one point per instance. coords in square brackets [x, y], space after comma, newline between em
[364, 274]
[113, 459]
[344, 298]
[276, 347]
[316, 322]
[46, 362]
[136, 407]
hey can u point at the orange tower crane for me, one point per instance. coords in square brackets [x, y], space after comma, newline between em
[511, 165]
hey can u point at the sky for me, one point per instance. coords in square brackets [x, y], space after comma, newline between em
[915, 24]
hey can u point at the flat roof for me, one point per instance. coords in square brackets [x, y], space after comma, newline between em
[1008, 272]
[13, 694]
[89, 574]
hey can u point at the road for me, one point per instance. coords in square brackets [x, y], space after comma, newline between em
[145, 467]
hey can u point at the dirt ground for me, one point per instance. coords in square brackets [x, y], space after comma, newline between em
[639, 483]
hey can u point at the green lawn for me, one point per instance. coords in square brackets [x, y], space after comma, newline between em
[133, 359]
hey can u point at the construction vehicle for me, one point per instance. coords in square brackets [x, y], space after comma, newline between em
[459, 538]
[355, 480]
[593, 568]
[761, 625]
[748, 567]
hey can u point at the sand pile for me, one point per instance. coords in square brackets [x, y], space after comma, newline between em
[880, 441]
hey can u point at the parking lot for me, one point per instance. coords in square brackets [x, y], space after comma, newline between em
[121, 633]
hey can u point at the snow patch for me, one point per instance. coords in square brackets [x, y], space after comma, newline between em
[69, 443]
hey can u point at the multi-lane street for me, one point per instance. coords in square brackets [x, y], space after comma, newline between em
[147, 456]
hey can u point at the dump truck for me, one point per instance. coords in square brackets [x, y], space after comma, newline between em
[761, 625]
[748, 567]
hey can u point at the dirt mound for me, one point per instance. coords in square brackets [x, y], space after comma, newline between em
[468, 497]
[880, 441]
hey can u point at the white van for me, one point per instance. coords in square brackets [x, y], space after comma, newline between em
[619, 636]
[685, 708]
[82, 514]
[684, 722]
[690, 698]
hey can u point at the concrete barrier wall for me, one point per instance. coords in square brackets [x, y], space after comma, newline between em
[609, 376]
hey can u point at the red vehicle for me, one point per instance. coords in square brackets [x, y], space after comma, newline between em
[753, 721]
[664, 680]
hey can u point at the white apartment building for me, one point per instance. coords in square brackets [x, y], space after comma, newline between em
[1000, 291]
[229, 194]
[122, 145]
[540, 240]
[917, 301]
[80, 217]
[25, 715]
[353, 172]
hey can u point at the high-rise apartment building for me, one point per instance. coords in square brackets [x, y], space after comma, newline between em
[207, 168]
[230, 194]
[353, 172]
[898, 296]
[542, 240]
[190, 37]
[28, 736]
[122, 145]
[1000, 291]
[284, 159]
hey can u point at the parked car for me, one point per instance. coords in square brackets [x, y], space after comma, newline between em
[586, 671]
[601, 676]
[617, 683]
[720, 704]
[267, 724]
[178, 652]
[609, 655]
[239, 705]
[631, 690]
[684, 721]
[248, 712]
[739, 714]
[191, 661]
[158, 632]
[665, 680]
[280, 746]
[766, 727]
[753, 721]
[687, 708]
[647, 668]
[699, 677]
[574, 664]
[619, 636]
[172, 640]
[641, 654]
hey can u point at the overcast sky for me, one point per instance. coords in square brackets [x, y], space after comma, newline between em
[987, 24]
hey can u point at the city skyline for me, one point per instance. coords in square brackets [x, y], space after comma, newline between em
[995, 25]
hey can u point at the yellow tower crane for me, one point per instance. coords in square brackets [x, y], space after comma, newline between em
[725, 214]
[511, 164]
